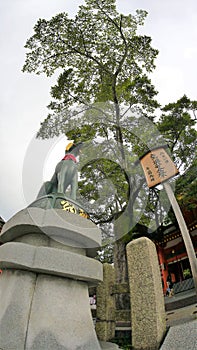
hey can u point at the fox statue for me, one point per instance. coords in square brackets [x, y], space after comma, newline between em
[65, 175]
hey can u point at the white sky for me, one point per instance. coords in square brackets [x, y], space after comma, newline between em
[172, 24]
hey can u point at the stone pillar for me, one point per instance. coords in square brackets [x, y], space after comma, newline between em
[47, 268]
[105, 313]
[147, 301]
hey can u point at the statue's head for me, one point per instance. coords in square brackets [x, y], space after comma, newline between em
[74, 148]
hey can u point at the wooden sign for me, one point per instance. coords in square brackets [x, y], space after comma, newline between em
[158, 166]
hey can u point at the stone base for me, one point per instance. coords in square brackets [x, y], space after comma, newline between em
[45, 312]
[47, 269]
[108, 346]
[38, 313]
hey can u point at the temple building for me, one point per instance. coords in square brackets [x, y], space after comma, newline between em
[172, 255]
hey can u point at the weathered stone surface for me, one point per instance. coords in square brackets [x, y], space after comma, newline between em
[64, 227]
[38, 313]
[40, 239]
[16, 292]
[105, 325]
[50, 261]
[44, 285]
[147, 302]
[60, 316]
[122, 288]
[123, 315]
[108, 346]
[181, 337]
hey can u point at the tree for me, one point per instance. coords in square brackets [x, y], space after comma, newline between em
[186, 187]
[103, 95]
[177, 124]
[101, 58]
[104, 65]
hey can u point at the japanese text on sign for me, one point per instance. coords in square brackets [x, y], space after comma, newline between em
[158, 167]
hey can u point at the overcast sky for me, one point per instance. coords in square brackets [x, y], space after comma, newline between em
[172, 24]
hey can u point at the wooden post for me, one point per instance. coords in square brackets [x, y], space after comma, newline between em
[184, 231]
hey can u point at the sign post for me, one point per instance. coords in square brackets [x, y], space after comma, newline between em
[158, 167]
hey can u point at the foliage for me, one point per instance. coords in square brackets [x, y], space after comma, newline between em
[104, 97]
[186, 273]
[101, 59]
[177, 124]
[186, 187]
[103, 66]
[123, 341]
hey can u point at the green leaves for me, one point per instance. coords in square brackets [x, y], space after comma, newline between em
[103, 95]
[99, 45]
[177, 124]
[186, 187]
[103, 66]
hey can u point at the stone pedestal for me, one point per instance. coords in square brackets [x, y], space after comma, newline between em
[47, 264]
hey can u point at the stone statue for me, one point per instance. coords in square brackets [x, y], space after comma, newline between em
[65, 174]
